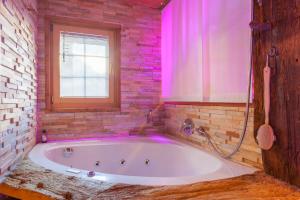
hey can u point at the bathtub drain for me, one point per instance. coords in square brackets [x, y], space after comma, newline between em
[147, 162]
[122, 162]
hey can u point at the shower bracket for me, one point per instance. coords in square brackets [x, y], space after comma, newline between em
[260, 27]
[272, 56]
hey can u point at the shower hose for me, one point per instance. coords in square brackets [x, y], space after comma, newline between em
[247, 107]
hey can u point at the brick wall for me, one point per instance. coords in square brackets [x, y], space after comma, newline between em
[140, 69]
[223, 123]
[140, 84]
[17, 80]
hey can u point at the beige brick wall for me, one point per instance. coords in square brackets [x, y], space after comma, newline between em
[17, 80]
[140, 69]
[140, 83]
[223, 123]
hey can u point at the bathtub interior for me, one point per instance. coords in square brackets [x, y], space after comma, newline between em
[171, 162]
[139, 159]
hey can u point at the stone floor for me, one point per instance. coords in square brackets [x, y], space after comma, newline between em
[31, 182]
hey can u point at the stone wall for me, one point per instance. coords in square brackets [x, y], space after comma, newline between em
[223, 123]
[18, 83]
[140, 69]
[140, 83]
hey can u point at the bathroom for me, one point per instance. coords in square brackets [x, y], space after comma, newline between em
[149, 99]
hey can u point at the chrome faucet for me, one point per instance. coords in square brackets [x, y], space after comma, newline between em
[188, 128]
[149, 116]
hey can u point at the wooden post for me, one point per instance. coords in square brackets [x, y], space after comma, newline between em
[283, 160]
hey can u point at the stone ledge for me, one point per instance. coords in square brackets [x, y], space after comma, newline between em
[30, 181]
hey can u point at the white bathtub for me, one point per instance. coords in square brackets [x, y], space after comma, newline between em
[154, 160]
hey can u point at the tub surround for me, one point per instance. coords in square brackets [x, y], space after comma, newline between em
[223, 123]
[140, 70]
[30, 180]
[18, 80]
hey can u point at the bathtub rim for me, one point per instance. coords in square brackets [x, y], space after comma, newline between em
[227, 168]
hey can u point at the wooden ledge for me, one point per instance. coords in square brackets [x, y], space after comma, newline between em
[223, 104]
[22, 193]
[32, 182]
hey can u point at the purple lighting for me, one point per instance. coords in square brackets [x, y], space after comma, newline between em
[152, 136]
[182, 50]
[206, 50]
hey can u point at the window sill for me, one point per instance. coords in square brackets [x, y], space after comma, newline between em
[75, 110]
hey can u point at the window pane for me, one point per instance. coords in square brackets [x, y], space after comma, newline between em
[72, 87]
[72, 66]
[96, 66]
[84, 65]
[96, 50]
[71, 44]
[96, 46]
[97, 87]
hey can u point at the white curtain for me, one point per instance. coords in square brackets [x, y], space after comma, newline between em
[206, 50]
[182, 50]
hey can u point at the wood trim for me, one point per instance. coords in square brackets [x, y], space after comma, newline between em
[48, 43]
[61, 103]
[164, 4]
[83, 23]
[22, 193]
[224, 104]
[82, 104]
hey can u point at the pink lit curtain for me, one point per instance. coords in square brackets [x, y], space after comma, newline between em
[181, 51]
[206, 50]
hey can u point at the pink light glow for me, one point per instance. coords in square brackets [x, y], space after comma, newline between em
[206, 50]
[181, 47]
[153, 136]
[228, 37]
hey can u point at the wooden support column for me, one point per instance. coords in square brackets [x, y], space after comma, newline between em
[283, 160]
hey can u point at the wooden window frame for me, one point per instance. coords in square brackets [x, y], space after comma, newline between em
[54, 103]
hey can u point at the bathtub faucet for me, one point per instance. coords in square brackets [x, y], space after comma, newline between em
[188, 128]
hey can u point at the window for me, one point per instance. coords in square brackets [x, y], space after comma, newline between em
[84, 64]
[84, 71]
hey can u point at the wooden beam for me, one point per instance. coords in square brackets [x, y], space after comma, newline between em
[283, 160]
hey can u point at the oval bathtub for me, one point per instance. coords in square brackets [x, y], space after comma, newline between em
[153, 160]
